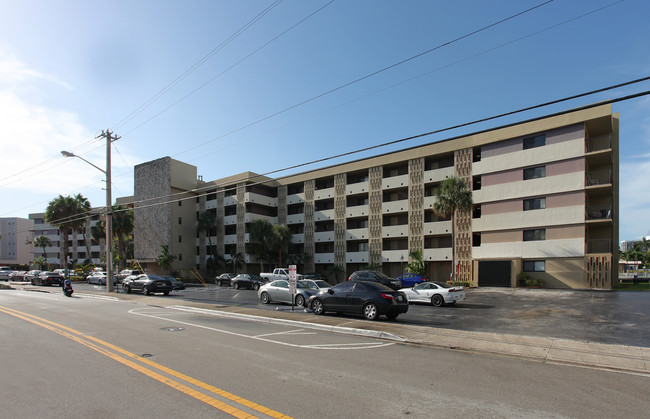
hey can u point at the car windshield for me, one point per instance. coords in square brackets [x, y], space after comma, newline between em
[255, 277]
[322, 284]
[155, 278]
[301, 285]
[442, 284]
[382, 275]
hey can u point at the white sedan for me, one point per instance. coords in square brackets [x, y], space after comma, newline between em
[434, 293]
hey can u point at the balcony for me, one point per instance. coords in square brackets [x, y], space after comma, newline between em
[599, 246]
[598, 143]
[356, 257]
[600, 212]
[600, 177]
[323, 257]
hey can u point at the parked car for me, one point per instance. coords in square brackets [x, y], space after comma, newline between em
[375, 276]
[316, 284]
[124, 273]
[147, 283]
[5, 272]
[30, 275]
[315, 275]
[47, 278]
[176, 284]
[249, 281]
[369, 299]
[17, 276]
[434, 293]
[279, 292]
[98, 278]
[224, 279]
[410, 279]
[61, 272]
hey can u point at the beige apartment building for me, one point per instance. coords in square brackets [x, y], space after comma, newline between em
[545, 195]
[15, 241]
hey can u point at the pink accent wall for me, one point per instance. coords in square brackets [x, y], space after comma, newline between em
[492, 179]
[566, 166]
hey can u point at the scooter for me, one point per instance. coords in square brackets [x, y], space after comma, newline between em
[67, 288]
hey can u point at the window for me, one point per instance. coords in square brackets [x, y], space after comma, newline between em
[534, 266]
[180, 238]
[534, 203]
[180, 203]
[535, 141]
[180, 257]
[180, 220]
[535, 172]
[532, 235]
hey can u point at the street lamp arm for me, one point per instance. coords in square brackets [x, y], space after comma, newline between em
[68, 154]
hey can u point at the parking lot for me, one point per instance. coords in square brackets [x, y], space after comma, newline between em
[617, 317]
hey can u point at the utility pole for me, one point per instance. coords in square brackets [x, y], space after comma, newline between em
[108, 136]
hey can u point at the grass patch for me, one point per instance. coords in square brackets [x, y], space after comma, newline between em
[629, 286]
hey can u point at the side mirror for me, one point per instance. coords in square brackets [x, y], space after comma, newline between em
[330, 291]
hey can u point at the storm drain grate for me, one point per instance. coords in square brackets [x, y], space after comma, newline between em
[173, 329]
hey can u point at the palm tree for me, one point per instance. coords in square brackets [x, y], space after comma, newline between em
[453, 195]
[236, 261]
[84, 203]
[43, 242]
[66, 213]
[259, 247]
[165, 259]
[207, 222]
[281, 240]
[122, 230]
[417, 264]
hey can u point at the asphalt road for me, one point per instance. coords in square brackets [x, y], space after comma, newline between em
[616, 317]
[96, 356]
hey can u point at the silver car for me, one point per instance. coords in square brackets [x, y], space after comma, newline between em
[317, 285]
[435, 293]
[278, 292]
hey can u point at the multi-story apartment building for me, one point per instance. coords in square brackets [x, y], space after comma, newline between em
[81, 245]
[545, 195]
[15, 241]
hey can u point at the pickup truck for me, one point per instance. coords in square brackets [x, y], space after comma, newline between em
[278, 273]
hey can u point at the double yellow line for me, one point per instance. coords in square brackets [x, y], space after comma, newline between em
[125, 357]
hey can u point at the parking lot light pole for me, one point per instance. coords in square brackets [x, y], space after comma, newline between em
[109, 206]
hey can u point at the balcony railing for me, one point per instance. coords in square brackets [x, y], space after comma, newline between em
[600, 177]
[599, 246]
[598, 143]
[599, 213]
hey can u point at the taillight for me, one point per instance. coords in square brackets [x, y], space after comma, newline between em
[387, 296]
[452, 289]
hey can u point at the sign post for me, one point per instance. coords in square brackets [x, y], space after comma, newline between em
[292, 284]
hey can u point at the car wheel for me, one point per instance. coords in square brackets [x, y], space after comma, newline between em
[300, 300]
[370, 311]
[145, 290]
[219, 283]
[236, 285]
[265, 298]
[256, 286]
[32, 281]
[317, 307]
[392, 316]
[166, 292]
[127, 289]
[437, 301]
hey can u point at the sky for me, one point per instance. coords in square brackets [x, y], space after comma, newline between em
[263, 85]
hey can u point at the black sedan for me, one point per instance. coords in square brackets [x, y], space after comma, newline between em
[146, 283]
[224, 279]
[47, 278]
[249, 281]
[370, 299]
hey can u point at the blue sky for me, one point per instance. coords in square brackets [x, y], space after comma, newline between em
[69, 69]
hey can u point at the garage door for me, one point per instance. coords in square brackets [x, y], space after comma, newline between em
[494, 273]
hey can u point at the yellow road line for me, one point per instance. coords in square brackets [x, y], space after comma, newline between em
[79, 337]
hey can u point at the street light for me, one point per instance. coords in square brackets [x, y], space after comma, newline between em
[109, 215]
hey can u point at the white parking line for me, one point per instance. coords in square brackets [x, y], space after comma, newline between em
[146, 312]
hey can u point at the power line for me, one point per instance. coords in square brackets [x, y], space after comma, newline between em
[210, 188]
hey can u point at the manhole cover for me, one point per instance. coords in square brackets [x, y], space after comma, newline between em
[146, 355]
[173, 329]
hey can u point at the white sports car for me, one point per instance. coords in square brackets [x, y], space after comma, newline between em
[434, 293]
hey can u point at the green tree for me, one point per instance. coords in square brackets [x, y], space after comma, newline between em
[259, 245]
[281, 240]
[453, 195]
[66, 213]
[83, 202]
[207, 222]
[417, 265]
[122, 231]
[235, 262]
[336, 271]
[165, 259]
[43, 242]
[40, 261]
